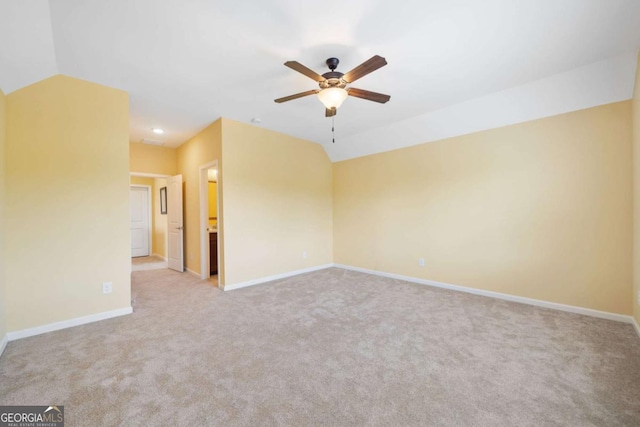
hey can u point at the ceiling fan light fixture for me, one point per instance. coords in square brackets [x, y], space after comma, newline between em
[332, 97]
[332, 92]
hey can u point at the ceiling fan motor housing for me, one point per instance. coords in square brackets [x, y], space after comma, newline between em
[332, 79]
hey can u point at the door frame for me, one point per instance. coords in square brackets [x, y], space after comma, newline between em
[150, 211]
[176, 193]
[153, 175]
[205, 269]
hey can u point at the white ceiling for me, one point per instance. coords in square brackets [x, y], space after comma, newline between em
[187, 62]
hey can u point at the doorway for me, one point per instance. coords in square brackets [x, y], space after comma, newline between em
[154, 257]
[210, 224]
[140, 217]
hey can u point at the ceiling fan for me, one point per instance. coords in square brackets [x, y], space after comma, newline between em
[333, 84]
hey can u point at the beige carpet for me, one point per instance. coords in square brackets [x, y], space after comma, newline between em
[144, 263]
[329, 348]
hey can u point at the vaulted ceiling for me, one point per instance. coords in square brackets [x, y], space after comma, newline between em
[455, 66]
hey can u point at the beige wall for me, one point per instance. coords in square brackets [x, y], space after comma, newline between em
[3, 293]
[158, 221]
[277, 203]
[203, 148]
[541, 209]
[67, 201]
[145, 158]
[636, 195]
[141, 180]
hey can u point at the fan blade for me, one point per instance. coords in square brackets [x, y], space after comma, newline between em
[294, 65]
[369, 96]
[365, 68]
[330, 112]
[297, 95]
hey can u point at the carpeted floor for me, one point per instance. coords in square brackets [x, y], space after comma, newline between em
[143, 263]
[335, 348]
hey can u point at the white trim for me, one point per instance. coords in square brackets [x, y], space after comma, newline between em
[195, 273]
[204, 218]
[3, 344]
[68, 323]
[498, 295]
[150, 209]
[148, 175]
[275, 277]
[219, 227]
[635, 325]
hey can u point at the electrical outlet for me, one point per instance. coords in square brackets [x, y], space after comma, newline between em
[421, 262]
[304, 255]
[107, 287]
[638, 297]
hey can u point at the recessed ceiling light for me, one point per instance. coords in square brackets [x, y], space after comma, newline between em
[256, 120]
[157, 131]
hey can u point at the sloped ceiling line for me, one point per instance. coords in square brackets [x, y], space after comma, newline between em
[603, 82]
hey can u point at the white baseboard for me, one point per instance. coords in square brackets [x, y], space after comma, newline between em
[160, 256]
[3, 344]
[275, 277]
[192, 272]
[635, 325]
[506, 297]
[12, 336]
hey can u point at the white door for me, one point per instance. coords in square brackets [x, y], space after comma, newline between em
[175, 223]
[140, 227]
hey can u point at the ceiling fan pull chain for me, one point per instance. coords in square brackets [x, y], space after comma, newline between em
[333, 128]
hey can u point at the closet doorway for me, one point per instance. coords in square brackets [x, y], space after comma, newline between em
[148, 225]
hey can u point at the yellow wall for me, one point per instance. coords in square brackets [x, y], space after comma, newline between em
[636, 195]
[145, 158]
[67, 201]
[3, 293]
[277, 203]
[541, 209]
[203, 148]
[141, 180]
[213, 203]
[158, 221]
